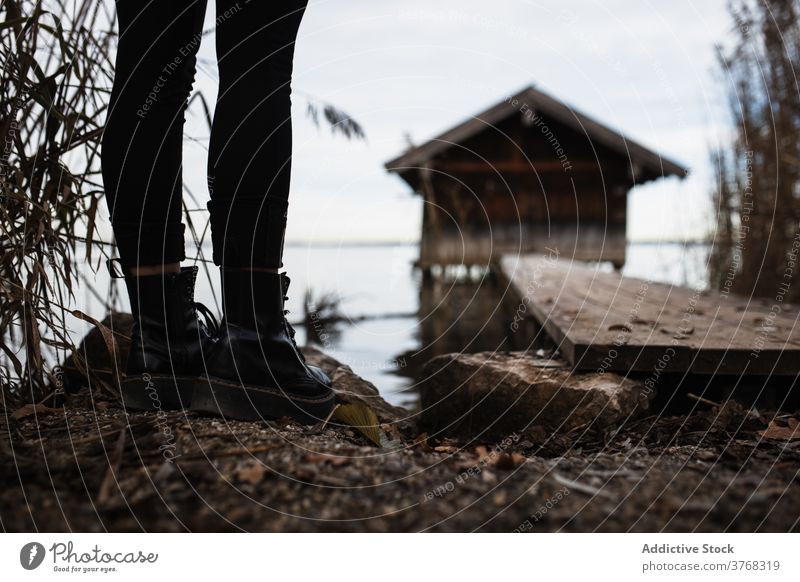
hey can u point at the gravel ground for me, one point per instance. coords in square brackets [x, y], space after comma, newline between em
[92, 467]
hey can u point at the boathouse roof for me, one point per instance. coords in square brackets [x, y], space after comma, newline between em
[532, 103]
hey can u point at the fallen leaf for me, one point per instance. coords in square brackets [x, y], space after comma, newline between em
[782, 433]
[362, 418]
[422, 442]
[252, 473]
[445, 449]
[31, 409]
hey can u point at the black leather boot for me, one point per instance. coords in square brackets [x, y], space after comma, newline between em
[256, 370]
[168, 341]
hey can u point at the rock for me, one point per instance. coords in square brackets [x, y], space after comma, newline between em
[94, 352]
[350, 388]
[490, 395]
[318, 358]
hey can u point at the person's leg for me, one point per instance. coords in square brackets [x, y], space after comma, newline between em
[141, 159]
[142, 142]
[257, 370]
[250, 152]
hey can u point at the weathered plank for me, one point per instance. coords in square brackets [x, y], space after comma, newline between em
[602, 320]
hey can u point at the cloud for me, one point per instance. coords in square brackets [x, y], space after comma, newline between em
[419, 67]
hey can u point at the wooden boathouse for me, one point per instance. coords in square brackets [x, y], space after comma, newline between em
[528, 174]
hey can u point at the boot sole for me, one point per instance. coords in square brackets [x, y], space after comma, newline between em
[241, 402]
[156, 392]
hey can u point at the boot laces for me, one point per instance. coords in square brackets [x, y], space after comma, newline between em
[116, 270]
[209, 320]
[285, 281]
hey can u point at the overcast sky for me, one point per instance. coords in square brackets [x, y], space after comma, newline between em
[418, 67]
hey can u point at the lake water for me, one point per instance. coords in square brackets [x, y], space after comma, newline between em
[382, 336]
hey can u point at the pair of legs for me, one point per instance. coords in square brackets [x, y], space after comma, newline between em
[251, 366]
[249, 160]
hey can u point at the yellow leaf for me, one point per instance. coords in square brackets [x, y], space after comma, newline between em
[362, 418]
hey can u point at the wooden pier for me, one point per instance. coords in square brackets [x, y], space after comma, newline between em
[601, 320]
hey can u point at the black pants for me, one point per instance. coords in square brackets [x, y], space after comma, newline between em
[249, 158]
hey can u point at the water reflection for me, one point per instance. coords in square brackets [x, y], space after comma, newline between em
[466, 312]
[460, 310]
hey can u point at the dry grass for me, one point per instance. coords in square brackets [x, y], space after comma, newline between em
[53, 92]
[758, 174]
